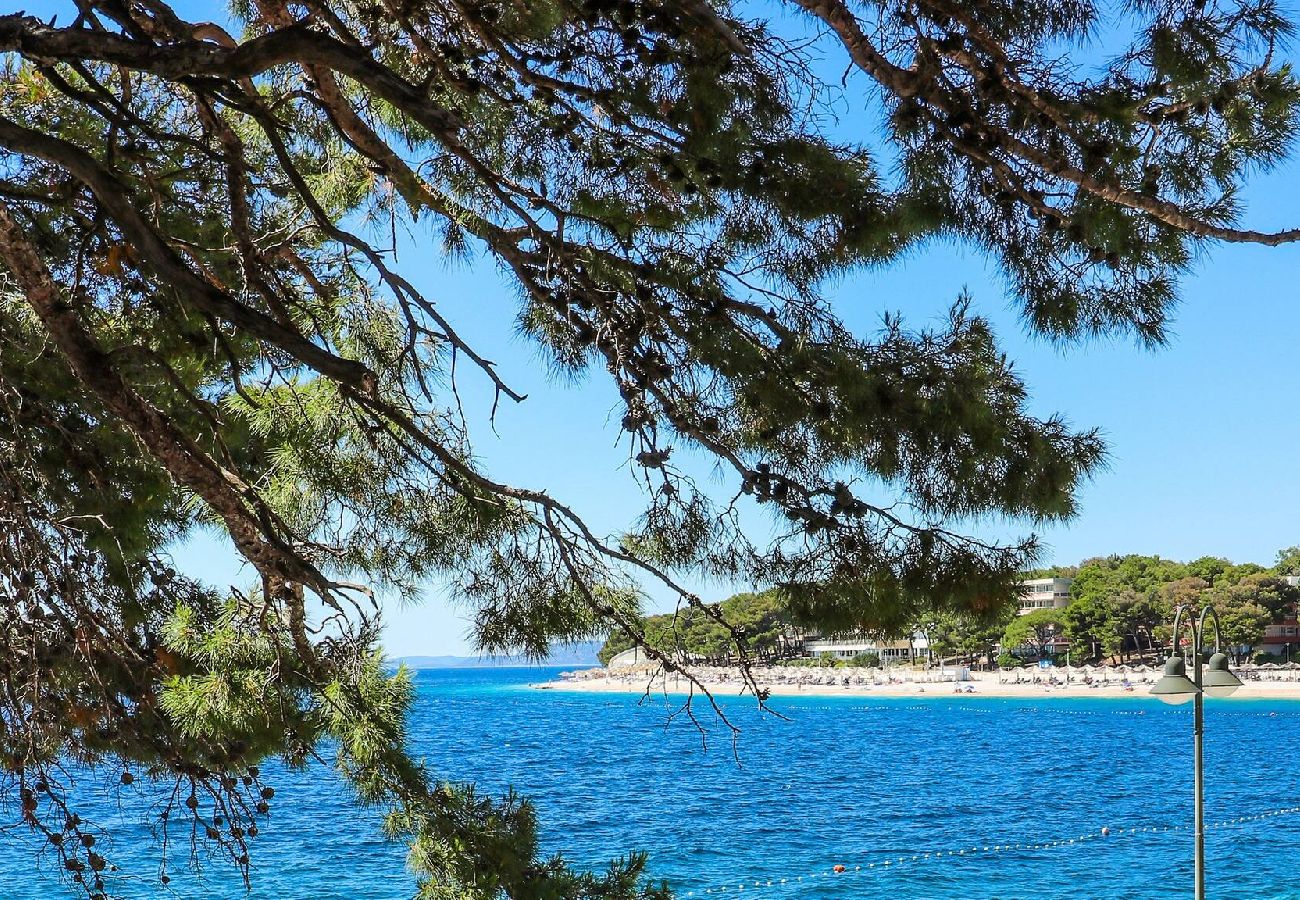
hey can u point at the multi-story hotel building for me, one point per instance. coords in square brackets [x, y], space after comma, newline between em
[1044, 593]
[849, 646]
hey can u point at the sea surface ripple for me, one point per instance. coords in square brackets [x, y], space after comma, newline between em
[864, 783]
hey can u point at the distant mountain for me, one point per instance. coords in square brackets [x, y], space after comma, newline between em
[579, 654]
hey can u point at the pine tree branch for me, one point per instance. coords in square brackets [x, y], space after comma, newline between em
[912, 82]
[113, 197]
[184, 60]
[223, 490]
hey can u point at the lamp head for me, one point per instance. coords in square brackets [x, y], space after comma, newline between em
[1175, 687]
[1218, 680]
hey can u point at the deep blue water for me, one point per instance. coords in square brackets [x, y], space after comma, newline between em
[858, 782]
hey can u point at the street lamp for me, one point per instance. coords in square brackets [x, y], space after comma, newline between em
[1213, 678]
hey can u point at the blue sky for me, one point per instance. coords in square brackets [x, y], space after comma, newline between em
[1202, 433]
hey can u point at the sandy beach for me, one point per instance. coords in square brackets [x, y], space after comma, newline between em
[813, 682]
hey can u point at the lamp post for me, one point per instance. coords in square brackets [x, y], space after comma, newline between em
[1211, 678]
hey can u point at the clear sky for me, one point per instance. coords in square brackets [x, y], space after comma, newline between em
[1203, 434]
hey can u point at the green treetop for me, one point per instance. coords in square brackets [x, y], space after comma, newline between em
[1122, 604]
[1092, 626]
[1241, 625]
[1288, 562]
[1272, 593]
[1034, 630]
[966, 635]
[1246, 608]
[203, 324]
[759, 619]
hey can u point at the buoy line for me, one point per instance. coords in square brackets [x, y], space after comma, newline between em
[1041, 709]
[1105, 833]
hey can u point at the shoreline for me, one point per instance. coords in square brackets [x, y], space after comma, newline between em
[723, 683]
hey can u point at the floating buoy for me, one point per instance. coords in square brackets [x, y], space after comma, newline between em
[837, 869]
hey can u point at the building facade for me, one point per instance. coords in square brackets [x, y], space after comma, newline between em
[1044, 593]
[849, 646]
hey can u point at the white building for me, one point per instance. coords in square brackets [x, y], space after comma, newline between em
[849, 646]
[630, 657]
[1044, 593]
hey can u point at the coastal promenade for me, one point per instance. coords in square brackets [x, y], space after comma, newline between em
[811, 681]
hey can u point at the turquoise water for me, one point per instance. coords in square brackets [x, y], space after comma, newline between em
[858, 782]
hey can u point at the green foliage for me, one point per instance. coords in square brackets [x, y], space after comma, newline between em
[1241, 625]
[1034, 631]
[966, 635]
[1125, 604]
[1108, 576]
[754, 623]
[1288, 562]
[615, 644]
[1090, 626]
[866, 660]
[1272, 593]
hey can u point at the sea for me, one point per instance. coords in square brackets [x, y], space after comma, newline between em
[962, 797]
